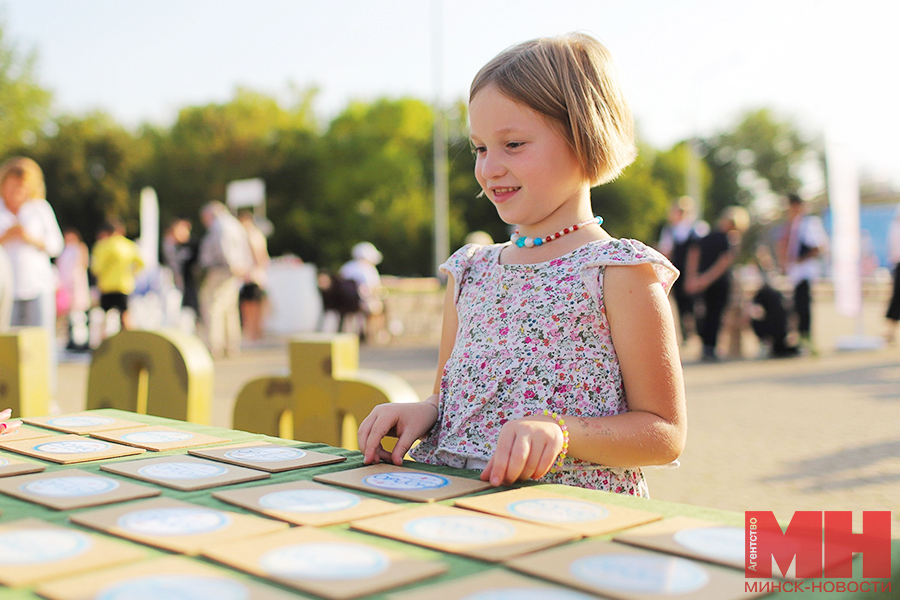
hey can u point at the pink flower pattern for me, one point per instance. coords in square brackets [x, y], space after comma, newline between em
[532, 337]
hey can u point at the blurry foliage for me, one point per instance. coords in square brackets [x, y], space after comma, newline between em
[23, 103]
[761, 154]
[367, 175]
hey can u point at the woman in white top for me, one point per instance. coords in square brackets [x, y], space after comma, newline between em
[31, 236]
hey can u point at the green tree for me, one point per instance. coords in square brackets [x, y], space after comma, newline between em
[89, 165]
[762, 153]
[252, 135]
[376, 185]
[24, 104]
[633, 205]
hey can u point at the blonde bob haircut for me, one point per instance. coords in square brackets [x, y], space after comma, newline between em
[26, 170]
[572, 81]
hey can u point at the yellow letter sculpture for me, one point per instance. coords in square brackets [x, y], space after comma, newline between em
[166, 373]
[25, 372]
[326, 393]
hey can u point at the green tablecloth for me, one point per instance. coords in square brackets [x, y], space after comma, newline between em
[12, 508]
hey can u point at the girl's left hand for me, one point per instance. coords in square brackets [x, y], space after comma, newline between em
[526, 449]
[5, 424]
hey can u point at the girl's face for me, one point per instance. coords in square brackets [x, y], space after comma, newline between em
[14, 193]
[525, 167]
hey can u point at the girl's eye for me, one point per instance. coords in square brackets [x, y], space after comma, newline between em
[476, 150]
[514, 145]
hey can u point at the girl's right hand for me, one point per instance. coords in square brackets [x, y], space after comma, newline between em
[5, 425]
[408, 422]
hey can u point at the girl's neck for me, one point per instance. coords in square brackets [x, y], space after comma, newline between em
[514, 255]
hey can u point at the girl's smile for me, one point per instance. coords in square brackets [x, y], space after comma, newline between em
[525, 166]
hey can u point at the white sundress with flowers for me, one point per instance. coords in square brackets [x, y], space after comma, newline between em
[532, 337]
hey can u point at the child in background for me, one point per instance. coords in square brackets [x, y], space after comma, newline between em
[558, 356]
[115, 261]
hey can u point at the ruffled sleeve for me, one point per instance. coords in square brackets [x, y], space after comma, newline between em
[458, 264]
[625, 252]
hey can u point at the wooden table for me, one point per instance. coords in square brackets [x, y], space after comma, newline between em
[459, 566]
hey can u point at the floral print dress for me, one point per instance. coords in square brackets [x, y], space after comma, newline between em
[532, 337]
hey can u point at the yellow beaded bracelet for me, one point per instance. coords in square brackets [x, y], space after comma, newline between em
[565, 449]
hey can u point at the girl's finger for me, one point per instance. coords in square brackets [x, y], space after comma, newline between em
[545, 462]
[488, 469]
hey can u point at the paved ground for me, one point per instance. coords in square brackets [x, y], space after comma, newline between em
[810, 433]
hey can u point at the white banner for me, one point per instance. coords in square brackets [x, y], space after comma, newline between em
[843, 195]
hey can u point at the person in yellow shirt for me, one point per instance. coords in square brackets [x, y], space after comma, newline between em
[115, 261]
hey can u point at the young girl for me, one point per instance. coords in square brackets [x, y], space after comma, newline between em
[558, 357]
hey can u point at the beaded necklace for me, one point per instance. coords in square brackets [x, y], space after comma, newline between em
[526, 242]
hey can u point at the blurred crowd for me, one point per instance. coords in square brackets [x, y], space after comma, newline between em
[718, 267]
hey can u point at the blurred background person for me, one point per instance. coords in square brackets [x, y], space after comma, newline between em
[708, 274]
[30, 235]
[7, 292]
[252, 296]
[115, 261]
[363, 270]
[179, 252]
[893, 311]
[802, 242]
[224, 257]
[72, 265]
[679, 232]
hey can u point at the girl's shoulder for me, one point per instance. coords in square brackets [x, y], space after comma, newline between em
[469, 255]
[625, 252]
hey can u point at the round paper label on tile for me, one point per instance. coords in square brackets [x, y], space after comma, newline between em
[72, 486]
[182, 470]
[37, 546]
[324, 561]
[3, 462]
[309, 501]
[174, 521]
[460, 529]
[72, 447]
[85, 421]
[156, 437]
[719, 543]
[406, 482]
[176, 587]
[640, 574]
[265, 454]
[557, 510]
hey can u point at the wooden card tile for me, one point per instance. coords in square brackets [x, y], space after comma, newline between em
[465, 532]
[692, 538]
[174, 525]
[73, 488]
[32, 550]
[161, 578]
[265, 456]
[69, 449]
[158, 438]
[624, 572]
[82, 422]
[404, 483]
[185, 473]
[495, 584]
[10, 467]
[26, 433]
[306, 503]
[333, 566]
[580, 516]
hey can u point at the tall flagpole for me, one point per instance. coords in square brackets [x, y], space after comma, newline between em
[441, 185]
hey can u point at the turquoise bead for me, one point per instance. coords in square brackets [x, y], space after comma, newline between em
[538, 241]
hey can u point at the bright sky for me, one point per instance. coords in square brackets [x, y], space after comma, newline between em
[690, 67]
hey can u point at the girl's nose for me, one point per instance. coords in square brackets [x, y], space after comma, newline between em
[489, 166]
